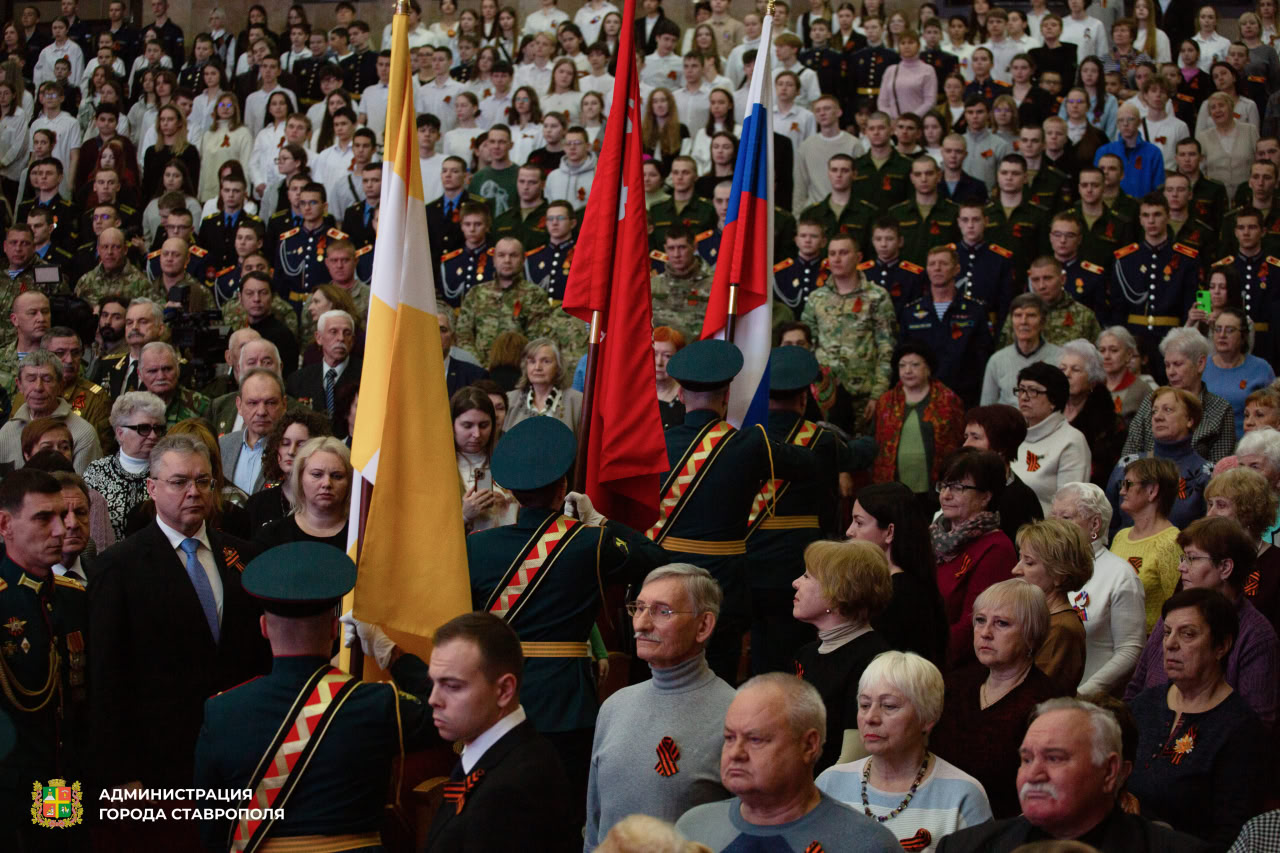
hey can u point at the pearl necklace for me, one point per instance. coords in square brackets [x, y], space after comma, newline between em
[866, 805]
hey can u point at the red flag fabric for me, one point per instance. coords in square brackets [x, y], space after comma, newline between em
[610, 274]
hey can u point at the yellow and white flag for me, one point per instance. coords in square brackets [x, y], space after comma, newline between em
[413, 559]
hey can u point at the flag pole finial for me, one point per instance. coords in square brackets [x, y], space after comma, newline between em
[401, 7]
[768, 9]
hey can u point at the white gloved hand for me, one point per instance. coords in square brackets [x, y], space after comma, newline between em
[376, 643]
[579, 506]
[348, 622]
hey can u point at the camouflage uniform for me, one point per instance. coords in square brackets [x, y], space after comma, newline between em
[186, 404]
[1067, 320]
[855, 334]
[128, 280]
[488, 311]
[233, 314]
[21, 283]
[681, 301]
[200, 295]
[9, 373]
[569, 333]
[359, 294]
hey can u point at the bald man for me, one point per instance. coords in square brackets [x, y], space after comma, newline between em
[114, 273]
[190, 294]
[1143, 161]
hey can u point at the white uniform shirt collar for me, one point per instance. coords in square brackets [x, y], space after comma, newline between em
[472, 752]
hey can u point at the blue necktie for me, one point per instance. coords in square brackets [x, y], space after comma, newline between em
[200, 580]
[368, 214]
[330, 378]
[448, 208]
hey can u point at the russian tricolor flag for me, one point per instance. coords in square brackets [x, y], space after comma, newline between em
[743, 284]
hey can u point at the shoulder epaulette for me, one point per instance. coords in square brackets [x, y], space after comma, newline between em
[337, 234]
[658, 256]
[279, 214]
[1186, 250]
[215, 215]
[241, 684]
[197, 251]
[530, 253]
[119, 357]
[1088, 266]
[286, 235]
[220, 273]
[1223, 261]
[704, 235]
[1233, 211]
[1127, 250]
[910, 267]
[96, 389]
[4, 584]
[448, 256]
[124, 208]
[60, 580]
[1001, 251]
[364, 249]
[783, 264]
[154, 254]
[866, 265]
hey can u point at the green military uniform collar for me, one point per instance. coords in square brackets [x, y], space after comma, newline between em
[531, 517]
[701, 417]
[15, 576]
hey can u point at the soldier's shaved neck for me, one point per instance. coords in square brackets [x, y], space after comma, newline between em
[716, 401]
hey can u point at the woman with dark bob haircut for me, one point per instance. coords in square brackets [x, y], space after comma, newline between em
[1002, 429]
[972, 551]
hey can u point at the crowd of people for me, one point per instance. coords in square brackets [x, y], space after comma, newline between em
[999, 567]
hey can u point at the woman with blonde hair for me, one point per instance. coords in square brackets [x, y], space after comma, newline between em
[562, 95]
[1228, 144]
[541, 389]
[640, 833]
[1245, 495]
[321, 485]
[226, 139]
[663, 135]
[1056, 557]
[844, 586]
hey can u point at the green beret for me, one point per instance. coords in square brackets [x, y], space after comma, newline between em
[791, 369]
[299, 578]
[705, 365]
[533, 454]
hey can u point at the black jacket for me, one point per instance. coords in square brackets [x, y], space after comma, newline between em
[1118, 833]
[306, 385]
[461, 374]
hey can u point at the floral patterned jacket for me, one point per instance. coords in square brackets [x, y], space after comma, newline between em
[943, 411]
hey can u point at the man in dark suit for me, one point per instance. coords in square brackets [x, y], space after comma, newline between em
[172, 626]
[316, 384]
[1067, 794]
[507, 769]
[457, 373]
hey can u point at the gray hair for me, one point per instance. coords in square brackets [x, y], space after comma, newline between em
[532, 347]
[1029, 607]
[1089, 354]
[1187, 342]
[180, 443]
[911, 675]
[1091, 500]
[703, 589]
[157, 313]
[275, 351]
[159, 346]
[262, 371]
[446, 317]
[133, 403]
[1264, 442]
[650, 834]
[1105, 740]
[41, 358]
[334, 314]
[1121, 334]
[805, 709]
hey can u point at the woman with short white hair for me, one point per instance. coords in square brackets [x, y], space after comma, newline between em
[1111, 604]
[541, 388]
[1090, 407]
[918, 796]
[138, 421]
[1119, 349]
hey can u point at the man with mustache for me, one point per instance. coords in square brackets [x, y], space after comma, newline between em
[1068, 783]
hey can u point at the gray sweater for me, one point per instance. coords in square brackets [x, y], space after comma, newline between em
[686, 703]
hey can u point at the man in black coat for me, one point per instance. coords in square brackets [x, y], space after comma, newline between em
[172, 626]
[509, 783]
[337, 367]
[1068, 795]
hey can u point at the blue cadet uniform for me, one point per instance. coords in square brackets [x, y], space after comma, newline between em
[1256, 274]
[987, 273]
[334, 782]
[198, 264]
[787, 516]
[988, 90]
[706, 498]
[226, 285]
[462, 269]
[218, 235]
[1152, 288]
[961, 338]
[795, 278]
[300, 268]
[1087, 284]
[709, 245]
[548, 267]
[903, 279]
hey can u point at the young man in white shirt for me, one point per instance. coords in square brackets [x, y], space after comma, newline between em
[545, 19]
[61, 46]
[691, 98]
[663, 66]
[789, 119]
[600, 80]
[493, 109]
[373, 101]
[65, 128]
[429, 162]
[255, 106]
[1003, 49]
[345, 189]
[811, 182]
[438, 96]
[1087, 33]
[1161, 127]
[298, 35]
[751, 26]
[335, 160]
[786, 48]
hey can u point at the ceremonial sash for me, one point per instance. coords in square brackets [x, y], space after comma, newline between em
[803, 434]
[685, 477]
[531, 565]
[286, 759]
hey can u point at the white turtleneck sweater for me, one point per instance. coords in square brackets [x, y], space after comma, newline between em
[1054, 454]
[1112, 606]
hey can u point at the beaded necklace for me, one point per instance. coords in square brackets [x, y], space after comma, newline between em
[866, 805]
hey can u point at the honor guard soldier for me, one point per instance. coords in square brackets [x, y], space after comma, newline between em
[573, 555]
[527, 219]
[831, 66]
[1013, 220]
[1184, 225]
[925, 220]
[1255, 270]
[843, 210]
[796, 277]
[1105, 230]
[42, 652]
[290, 217]
[707, 496]
[867, 67]
[961, 337]
[300, 265]
[786, 517]
[328, 788]
[548, 266]
[364, 260]
[709, 245]
[986, 269]
[903, 279]
[889, 182]
[1153, 281]
[1085, 280]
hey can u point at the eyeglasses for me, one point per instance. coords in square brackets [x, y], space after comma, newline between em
[1225, 330]
[1126, 485]
[955, 487]
[1027, 391]
[145, 430]
[181, 484]
[1191, 558]
[656, 611]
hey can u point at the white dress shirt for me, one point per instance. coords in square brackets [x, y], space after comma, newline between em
[204, 554]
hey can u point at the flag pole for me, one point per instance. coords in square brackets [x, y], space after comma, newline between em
[731, 322]
[588, 405]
